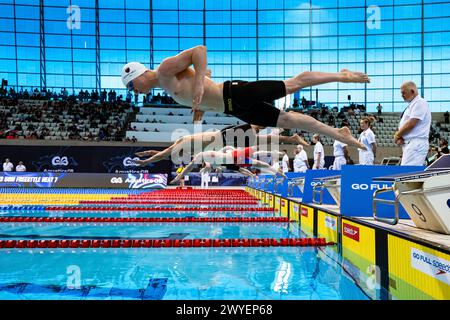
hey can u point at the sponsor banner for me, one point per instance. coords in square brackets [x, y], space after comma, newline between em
[435, 267]
[331, 222]
[82, 180]
[350, 231]
[304, 212]
[86, 159]
[357, 188]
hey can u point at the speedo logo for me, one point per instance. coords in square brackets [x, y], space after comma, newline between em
[304, 212]
[372, 186]
[230, 104]
[351, 232]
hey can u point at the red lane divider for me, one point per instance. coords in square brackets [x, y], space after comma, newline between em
[141, 220]
[166, 202]
[170, 243]
[68, 208]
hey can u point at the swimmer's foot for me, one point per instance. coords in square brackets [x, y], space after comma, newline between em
[354, 77]
[345, 136]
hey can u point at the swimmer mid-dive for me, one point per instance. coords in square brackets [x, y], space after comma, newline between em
[244, 135]
[248, 101]
[235, 159]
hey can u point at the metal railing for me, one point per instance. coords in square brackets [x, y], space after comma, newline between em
[318, 189]
[292, 183]
[394, 202]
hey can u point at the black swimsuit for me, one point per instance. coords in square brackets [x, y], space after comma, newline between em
[238, 136]
[252, 102]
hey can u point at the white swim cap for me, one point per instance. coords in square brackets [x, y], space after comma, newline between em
[131, 71]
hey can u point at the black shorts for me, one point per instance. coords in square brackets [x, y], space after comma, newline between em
[232, 167]
[238, 136]
[252, 102]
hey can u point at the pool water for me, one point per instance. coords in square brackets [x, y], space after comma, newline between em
[174, 273]
[245, 273]
[169, 273]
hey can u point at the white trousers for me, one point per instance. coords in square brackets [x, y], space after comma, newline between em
[339, 161]
[205, 180]
[321, 164]
[415, 152]
[366, 158]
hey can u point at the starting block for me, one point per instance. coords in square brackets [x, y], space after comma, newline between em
[425, 196]
[330, 183]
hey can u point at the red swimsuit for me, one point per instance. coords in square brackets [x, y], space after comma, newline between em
[242, 157]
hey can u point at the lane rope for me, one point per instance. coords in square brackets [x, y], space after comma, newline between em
[166, 243]
[139, 220]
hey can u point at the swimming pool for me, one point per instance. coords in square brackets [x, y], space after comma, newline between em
[249, 273]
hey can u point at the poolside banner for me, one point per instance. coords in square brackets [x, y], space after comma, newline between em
[86, 159]
[357, 188]
[82, 180]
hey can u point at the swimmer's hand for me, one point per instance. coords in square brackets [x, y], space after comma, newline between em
[140, 162]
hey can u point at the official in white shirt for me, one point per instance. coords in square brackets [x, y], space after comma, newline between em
[204, 172]
[300, 159]
[414, 128]
[367, 137]
[285, 162]
[340, 152]
[20, 167]
[319, 153]
[8, 166]
[275, 164]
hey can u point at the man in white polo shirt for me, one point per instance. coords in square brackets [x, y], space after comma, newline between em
[7, 165]
[319, 153]
[300, 160]
[414, 128]
[20, 167]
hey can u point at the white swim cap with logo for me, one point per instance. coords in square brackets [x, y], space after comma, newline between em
[131, 71]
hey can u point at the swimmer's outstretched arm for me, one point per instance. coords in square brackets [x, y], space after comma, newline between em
[265, 166]
[247, 172]
[164, 154]
[158, 156]
[149, 153]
